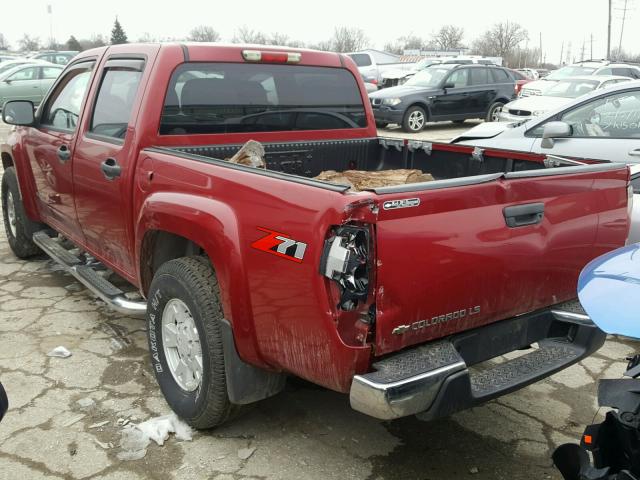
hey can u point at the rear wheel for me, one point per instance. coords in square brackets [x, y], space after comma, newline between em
[17, 226]
[414, 120]
[494, 112]
[185, 341]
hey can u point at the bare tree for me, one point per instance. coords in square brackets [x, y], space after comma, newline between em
[203, 33]
[248, 35]
[501, 40]
[28, 43]
[93, 42]
[347, 39]
[4, 45]
[146, 37]
[448, 37]
[281, 39]
[324, 45]
[406, 42]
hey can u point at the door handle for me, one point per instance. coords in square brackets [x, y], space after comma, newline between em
[635, 153]
[110, 168]
[64, 153]
[522, 215]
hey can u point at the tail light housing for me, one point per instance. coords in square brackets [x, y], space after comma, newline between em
[271, 57]
[346, 261]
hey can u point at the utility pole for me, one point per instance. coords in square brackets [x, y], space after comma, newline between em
[582, 51]
[561, 52]
[609, 33]
[540, 48]
[624, 15]
[591, 55]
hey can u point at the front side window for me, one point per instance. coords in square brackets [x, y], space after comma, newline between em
[63, 107]
[459, 78]
[614, 116]
[30, 73]
[242, 97]
[114, 102]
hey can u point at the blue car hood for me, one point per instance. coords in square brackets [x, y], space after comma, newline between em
[609, 289]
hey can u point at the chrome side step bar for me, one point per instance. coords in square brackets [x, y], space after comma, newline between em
[98, 285]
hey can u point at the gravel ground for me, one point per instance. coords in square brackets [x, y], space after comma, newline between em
[305, 432]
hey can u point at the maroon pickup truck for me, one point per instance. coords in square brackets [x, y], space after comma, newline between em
[400, 296]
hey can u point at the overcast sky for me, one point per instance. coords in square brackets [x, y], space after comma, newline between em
[558, 20]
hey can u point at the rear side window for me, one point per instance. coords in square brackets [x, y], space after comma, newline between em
[480, 76]
[115, 100]
[49, 73]
[361, 59]
[245, 97]
[499, 75]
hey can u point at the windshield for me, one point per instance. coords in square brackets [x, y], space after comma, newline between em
[565, 72]
[241, 97]
[430, 77]
[425, 62]
[571, 88]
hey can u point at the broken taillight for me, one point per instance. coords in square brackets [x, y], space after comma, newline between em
[346, 261]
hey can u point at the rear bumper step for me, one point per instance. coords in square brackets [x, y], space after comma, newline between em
[440, 378]
[100, 286]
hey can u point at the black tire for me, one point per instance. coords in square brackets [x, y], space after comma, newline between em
[459, 122]
[20, 236]
[381, 124]
[193, 281]
[494, 109]
[411, 123]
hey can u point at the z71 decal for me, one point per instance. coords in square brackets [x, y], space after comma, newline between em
[281, 245]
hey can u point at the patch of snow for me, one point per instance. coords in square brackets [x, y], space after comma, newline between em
[59, 352]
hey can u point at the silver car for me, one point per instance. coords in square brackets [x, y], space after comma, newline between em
[602, 125]
[560, 94]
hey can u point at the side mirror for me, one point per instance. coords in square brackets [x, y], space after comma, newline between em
[554, 130]
[446, 86]
[18, 112]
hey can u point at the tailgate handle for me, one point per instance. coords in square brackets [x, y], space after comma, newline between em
[521, 215]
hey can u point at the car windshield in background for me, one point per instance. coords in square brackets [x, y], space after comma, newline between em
[240, 97]
[565, 72]
[361, 59]
[430, 77]
[571, 88]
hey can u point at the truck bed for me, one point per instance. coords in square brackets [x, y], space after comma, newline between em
[443, 161]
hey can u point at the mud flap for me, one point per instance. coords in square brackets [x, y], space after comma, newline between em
[246, 383]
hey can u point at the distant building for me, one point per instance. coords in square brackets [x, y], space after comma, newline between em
[381, 57]
[454, 52]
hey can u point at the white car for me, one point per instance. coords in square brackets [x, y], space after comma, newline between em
[589, 67]
[561, 93]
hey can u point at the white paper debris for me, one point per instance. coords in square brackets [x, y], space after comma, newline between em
[73, 420]
[136, 438]
[159, 428]
[99, 424]
[59, 352]
[245, 453]
[106, 446]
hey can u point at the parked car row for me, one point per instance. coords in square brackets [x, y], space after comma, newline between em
[27, 81]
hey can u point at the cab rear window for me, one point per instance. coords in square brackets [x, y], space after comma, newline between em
[209, 98]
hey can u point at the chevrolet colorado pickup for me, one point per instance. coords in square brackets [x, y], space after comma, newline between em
[402, 296]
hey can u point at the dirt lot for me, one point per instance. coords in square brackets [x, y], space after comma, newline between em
[303, 433]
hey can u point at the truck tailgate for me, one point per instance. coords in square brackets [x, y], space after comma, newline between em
[448, 261]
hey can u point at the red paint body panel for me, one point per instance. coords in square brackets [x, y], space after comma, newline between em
[451, 252]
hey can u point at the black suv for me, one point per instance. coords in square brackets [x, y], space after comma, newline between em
[444, 92]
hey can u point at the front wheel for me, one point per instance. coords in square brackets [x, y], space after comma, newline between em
[17, 226]
[493, 115]
[414, 119]
[185, 341]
